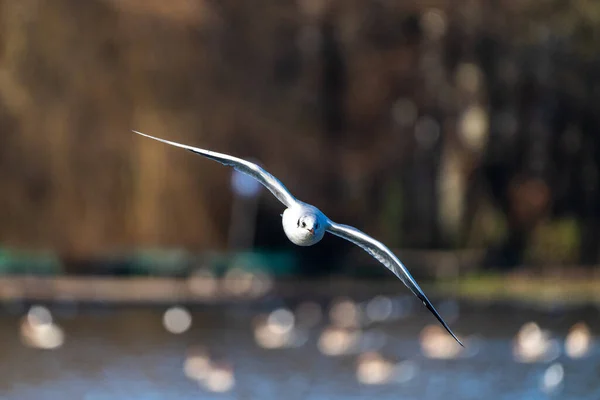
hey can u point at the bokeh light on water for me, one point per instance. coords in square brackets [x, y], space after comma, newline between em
[281, 321]
[552, 378]
[532, 344]
[211, 375]
[220, 378]
[255, 349]
[436, 343]
[379, 309]
[197, 364]
[373, 369]
[278, 330]
[177, 320]
[38, 316]
[579, 341]
[336, 341]
[38, 329]
[345, 313]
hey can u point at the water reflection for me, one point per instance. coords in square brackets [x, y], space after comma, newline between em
[379, 309]
[436, 343]
[344, 312]
[197, 364]
[267, 338]
[552, 378]
[254, 352]
[38, 329]
[532, 344]
[220, 378]
[373, 340]
[579, 341]
[39, 315]
[177, 320]
[405, 371]
[278, 330]
[373, 369]
[214, 376]
[281, 321]
[336, 341]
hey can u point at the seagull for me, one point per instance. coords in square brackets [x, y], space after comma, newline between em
[305, 225]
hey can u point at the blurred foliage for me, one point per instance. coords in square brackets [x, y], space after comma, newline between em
[489, 227]
[427, 124]
[392, 213]
[28, 262]
[577, 22]
[545, 291]
[555, 241]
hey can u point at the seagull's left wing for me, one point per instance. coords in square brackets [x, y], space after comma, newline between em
[258, 173]
[384, 255]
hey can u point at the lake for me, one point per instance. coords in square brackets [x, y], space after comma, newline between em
[325, 348]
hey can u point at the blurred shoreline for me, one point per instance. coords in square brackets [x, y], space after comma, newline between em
[547, 291]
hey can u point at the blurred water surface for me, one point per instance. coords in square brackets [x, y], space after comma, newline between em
[127, 352]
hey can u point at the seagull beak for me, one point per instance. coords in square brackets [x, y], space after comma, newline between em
[312, 231]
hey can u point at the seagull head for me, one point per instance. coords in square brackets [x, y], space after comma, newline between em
[310, 223]
[304, 224]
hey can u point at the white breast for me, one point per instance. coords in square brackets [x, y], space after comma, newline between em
[297, 235]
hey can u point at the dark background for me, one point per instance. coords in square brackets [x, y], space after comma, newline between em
[429, 124]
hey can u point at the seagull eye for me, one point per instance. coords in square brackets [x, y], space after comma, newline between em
[303, 224]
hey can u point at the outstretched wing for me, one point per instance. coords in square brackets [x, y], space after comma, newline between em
[384, 255]
[251, 169]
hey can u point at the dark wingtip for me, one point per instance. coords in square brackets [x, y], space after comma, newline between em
[439, 318]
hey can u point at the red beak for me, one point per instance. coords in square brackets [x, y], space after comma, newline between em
[312, 231]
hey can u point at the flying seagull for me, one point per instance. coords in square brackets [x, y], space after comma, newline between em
[306, 225]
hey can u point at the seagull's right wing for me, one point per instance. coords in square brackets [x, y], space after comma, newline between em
[251, 169]
[385, 256]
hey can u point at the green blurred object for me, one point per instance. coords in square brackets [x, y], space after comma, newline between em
[29, 262]
[180, 263]
[271, 262]
[161, 262]
[153, 262]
